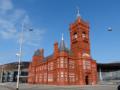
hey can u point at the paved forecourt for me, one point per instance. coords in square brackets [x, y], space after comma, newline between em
[11, 86]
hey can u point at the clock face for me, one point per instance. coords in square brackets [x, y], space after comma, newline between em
[85, 55]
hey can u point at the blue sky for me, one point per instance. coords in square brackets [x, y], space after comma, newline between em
[51, 18]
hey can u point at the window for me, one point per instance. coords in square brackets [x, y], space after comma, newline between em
[86, 64]
[62, 74]
[50, 66]
[45, 67]
[75, 35]
[40, 77]
[58, 76]
[83, 34]
[45, 77]
[72, 77]
[66, 63]
[58, 64]
[62, 63]
[66, 76]
[50, 77]
[71, 64]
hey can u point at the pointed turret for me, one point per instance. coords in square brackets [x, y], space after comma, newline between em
[62, 44]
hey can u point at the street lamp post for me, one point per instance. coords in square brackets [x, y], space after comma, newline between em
[2, 74]
[20, 53]
[100, 75]
[19, 56]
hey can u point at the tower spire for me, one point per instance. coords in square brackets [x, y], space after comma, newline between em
[78, 12]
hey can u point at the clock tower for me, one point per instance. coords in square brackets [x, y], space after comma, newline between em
[79, 37]
[86, 69]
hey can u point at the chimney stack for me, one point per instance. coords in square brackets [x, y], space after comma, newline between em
[56, 50]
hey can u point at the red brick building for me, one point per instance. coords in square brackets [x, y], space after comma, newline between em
[65, 66]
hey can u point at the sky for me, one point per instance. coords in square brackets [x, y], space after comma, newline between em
[50, 18]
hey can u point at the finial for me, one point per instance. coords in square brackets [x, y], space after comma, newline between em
[78, 12]
[62, 36]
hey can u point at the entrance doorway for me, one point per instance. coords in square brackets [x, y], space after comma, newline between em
[86, 80]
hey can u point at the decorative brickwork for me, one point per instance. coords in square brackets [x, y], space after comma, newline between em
[65, 66]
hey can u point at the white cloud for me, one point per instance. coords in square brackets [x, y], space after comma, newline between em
[5, 5]
[7, 29]
[11, 19]
[17, 15]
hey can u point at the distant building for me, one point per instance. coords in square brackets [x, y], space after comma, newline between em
[8, 72]
[109, 71]
[73, 66]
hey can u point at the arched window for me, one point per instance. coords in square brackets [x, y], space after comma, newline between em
[83, 34]
[75, 35]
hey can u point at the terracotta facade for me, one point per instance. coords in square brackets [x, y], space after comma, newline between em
[65, 66]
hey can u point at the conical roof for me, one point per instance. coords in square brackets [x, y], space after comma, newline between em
[37, 52]
[62, 44]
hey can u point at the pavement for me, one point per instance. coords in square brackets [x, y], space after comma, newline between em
[11, 86]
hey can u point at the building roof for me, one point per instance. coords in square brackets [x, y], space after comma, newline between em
[37, 52]
[14, 65]
[106, 67]
[46, 58]
[62, 47]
